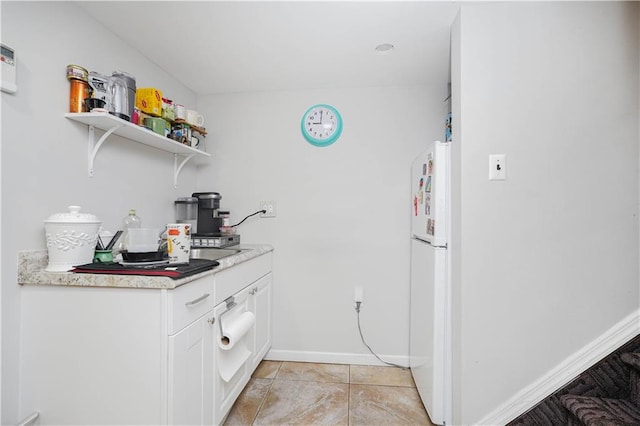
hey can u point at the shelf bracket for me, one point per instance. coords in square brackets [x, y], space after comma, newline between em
[177, 168]
[95, 146]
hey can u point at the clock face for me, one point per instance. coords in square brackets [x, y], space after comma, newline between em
[321, 125]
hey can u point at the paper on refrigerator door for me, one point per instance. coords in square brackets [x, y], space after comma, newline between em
[430, 181]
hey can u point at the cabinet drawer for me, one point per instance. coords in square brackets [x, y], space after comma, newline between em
[232, 280]
[189, 302]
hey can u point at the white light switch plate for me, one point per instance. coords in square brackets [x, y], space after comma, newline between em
[497, 167]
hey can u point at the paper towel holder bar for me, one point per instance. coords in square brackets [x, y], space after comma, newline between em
[231, 303]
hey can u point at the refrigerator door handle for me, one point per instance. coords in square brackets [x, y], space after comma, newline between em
[417, 238]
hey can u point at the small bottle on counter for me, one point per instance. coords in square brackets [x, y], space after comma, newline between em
[130, 221]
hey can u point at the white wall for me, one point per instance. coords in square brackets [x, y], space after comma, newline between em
[342, 210]
[548, 259]
[44, 155]
[457, 121]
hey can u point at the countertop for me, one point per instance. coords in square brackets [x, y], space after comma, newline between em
[32, 264]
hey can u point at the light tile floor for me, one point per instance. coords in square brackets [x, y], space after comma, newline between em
[296, 393]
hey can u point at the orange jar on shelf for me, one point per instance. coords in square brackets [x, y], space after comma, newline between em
[79, 91]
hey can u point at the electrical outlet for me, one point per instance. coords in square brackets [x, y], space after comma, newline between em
[269, 207]
[358, 295]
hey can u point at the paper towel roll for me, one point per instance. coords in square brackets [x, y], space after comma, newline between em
[234, 328]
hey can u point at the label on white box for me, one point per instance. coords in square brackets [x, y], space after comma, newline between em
[178, 242]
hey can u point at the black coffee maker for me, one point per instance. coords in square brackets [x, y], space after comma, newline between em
[209, 221]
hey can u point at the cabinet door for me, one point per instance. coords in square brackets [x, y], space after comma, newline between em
[261, 307]
[190, 390]
[232, 365]
[93, 354]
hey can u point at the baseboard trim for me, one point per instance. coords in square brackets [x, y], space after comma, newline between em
[566, 371]
[333, 357]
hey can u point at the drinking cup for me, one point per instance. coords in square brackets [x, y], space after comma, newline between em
[103, 256]
[195, 142]
[180, 112]
[195, 118]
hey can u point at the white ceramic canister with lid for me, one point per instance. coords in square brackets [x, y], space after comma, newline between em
[71, 239]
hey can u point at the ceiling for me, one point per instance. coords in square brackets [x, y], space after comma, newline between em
[241, 46]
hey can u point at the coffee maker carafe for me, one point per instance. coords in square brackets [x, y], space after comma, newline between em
[209, 221]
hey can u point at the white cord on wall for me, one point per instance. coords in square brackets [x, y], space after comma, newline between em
[369, 347]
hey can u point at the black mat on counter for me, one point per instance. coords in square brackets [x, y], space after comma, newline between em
[195, 266]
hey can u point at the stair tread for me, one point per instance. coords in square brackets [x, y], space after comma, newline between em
[600, 411]
[632, 359]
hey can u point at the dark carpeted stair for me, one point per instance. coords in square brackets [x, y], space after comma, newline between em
[601, 411]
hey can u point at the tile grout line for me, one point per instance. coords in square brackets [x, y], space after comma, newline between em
[264, 398]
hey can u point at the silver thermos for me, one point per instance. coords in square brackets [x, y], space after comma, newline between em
[129, 92]
[117, 98]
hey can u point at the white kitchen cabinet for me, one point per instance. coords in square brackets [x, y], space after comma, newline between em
[190, 353]
[191, 366]
[93, 355]
[234, 367]
[260, 305]
[114, 355]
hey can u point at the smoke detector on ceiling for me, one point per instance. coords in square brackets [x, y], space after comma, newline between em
[384, 48]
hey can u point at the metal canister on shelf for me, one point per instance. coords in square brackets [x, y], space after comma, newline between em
[79, 90]
[77, 72]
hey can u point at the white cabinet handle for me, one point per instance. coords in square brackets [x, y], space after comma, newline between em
[198, 300]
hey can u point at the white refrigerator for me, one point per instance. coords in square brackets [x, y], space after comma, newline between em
[430, 351]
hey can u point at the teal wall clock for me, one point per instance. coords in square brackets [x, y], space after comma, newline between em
[321, 125]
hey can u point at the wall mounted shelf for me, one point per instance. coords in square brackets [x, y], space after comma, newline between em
[111, 124]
